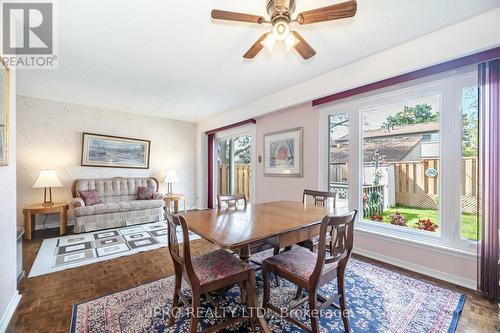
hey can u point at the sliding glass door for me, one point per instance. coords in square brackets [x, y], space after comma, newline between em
[233, 172]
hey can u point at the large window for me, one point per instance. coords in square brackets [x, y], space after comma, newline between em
[408, 156]
[401, 163]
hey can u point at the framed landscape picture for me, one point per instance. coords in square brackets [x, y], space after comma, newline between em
[283, 153]
[4, 113]
[115, 152]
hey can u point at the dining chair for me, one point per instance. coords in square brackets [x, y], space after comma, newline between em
[310, 270]
[259, 246]
[320, 199]
[231, 200]
[214, 271]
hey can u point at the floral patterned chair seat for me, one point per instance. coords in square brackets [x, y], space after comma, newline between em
[298, 261]
[217, 265]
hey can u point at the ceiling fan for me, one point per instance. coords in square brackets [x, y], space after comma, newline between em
[280, 12]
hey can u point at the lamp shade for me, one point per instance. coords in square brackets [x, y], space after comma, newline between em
[47, 178]
[171, 177]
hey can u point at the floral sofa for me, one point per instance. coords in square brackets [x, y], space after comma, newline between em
[117, 203]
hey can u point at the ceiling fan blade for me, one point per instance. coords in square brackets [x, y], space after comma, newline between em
[256, 48]
[329, 13]
[240, 17]
[302, 47]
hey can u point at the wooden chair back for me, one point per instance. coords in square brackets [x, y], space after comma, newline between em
[341, 230]
[182, 260]
[231, 200]
[320, 197]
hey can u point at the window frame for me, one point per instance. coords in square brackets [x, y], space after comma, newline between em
[449, 85]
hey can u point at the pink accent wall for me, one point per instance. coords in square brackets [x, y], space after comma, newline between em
[279, 188]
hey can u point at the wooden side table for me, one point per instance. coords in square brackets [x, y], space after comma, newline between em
[31, 211]
[175, 198]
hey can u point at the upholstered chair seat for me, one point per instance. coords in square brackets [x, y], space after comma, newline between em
[217, 265]
[298, 261]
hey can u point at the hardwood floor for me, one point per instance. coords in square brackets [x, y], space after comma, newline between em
[47, 300]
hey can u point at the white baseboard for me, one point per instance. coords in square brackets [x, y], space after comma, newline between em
[9, 312]
[470, 284]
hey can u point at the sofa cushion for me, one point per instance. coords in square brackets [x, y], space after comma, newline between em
[145, 193]
[102, 208]
[113, 189]
[114, 207]
[126, 206]
[89, 197]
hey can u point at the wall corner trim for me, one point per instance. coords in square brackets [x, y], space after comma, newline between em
[9, 312]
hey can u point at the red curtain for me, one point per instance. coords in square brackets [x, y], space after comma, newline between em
[211, 161]
[489, 254]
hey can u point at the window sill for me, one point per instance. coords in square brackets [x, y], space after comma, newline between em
[415, 238]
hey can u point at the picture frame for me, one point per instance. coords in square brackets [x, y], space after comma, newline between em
[284, 153]
[4, 113]
[99, 150]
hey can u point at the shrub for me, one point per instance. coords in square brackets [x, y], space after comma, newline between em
[427, 225]
[398, 219]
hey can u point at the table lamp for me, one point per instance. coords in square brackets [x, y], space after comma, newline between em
[46, 180]
[170, 178]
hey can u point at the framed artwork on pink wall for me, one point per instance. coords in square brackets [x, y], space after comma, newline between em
[283, 153]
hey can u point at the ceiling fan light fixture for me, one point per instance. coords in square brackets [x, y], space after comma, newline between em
[281, 30]
[269, 42]
[281, 14]
[291, 41]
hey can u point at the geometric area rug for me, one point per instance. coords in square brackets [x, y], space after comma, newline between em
[378, 300]
[66, 252]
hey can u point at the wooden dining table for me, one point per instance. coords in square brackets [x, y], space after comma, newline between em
[280, 223]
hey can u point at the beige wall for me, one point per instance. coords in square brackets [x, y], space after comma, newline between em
[278, 188]
[50, 133]
[8, 294]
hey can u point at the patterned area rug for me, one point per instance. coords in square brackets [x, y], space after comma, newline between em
[57, 254]
[379, 300]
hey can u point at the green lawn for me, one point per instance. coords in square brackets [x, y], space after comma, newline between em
[412, 215]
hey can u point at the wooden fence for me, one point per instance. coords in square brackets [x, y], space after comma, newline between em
[415, 189]
[241, 178]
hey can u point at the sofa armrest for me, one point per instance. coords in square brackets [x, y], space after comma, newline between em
[158, 196]
[76, 203]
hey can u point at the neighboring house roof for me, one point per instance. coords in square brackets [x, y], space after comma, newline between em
[401, 130]
[393, 145]
[392, 149]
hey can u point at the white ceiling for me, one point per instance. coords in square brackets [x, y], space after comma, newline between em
[168, 58]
